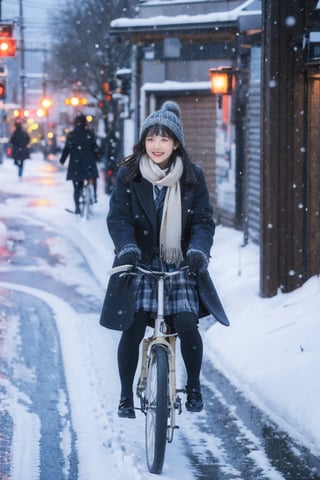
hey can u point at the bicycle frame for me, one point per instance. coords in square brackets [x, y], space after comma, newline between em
[168, 342]
[156, 386]
[158, 337]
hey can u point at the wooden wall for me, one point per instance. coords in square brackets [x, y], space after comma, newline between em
[313, 178]
[283, 155]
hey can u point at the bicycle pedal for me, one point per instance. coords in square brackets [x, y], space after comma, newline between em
[177, 405]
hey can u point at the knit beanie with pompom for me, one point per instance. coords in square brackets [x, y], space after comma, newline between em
[168, 116]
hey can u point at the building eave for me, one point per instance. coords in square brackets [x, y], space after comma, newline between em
[161, 25]
[174, 86]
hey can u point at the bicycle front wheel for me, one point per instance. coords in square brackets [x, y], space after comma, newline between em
[156, 408]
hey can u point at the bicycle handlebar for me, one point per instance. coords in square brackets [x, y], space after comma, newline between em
[136, 269]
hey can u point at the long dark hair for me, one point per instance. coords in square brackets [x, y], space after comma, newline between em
[132, 160]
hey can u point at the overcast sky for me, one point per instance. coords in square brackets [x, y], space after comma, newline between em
[36, 14]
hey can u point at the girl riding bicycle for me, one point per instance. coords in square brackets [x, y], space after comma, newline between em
[84, 153]
[160, 216]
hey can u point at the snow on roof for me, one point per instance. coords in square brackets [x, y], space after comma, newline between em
[161, 2]
[214, 17]
[175, 86]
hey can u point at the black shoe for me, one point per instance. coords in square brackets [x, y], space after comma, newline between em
[194, 401]
[126, 409]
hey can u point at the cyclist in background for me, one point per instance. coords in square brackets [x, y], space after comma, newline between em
[160, 216]
[84, 152]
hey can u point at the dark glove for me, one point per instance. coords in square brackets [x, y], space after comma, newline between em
[130, 258]
[197, 261]
[61, 161]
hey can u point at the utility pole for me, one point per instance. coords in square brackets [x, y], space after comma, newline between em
[22, 52]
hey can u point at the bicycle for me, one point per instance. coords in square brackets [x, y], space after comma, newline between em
[156, 387]
[86, 199]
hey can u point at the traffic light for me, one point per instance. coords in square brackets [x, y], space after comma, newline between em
[76, 101]
[107, 91]
[123, 76]
[8, 44]
[8, 47]
[3, 89]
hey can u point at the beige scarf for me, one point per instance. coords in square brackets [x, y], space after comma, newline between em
[170, 230]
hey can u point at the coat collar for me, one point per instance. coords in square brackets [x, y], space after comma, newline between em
[144, 192]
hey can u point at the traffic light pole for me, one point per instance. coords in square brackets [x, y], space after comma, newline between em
[1, 121]
[22, 75]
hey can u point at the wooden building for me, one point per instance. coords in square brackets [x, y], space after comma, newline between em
[258, 147]
[171, 57]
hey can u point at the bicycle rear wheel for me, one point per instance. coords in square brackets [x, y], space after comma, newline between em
[156, 408]
[87, 202]
[81, 203]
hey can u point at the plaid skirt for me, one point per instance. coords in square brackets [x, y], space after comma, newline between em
[180, 294]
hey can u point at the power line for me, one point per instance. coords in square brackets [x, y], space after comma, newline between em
[31, 3]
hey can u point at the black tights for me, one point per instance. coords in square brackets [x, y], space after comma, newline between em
[186, 327]
[77, 187]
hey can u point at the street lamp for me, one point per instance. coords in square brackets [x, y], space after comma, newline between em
[46, 103]
[222, 80]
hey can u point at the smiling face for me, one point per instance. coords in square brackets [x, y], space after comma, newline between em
[159, 148]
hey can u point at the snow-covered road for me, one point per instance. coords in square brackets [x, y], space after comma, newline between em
[65, 267]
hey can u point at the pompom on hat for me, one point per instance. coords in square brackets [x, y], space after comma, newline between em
[168, 116]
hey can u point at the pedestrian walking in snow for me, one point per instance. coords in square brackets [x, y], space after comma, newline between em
[20, 152]
[84, 152]
[160, 216]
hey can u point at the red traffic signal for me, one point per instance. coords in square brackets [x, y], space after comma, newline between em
[8, 47]
[107, 92]
[106, 87]
[3, 89]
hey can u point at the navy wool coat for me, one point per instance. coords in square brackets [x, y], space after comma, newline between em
[84, 152]
[132, 220]
[19, 141]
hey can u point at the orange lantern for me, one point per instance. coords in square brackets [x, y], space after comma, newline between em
[222, 80]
